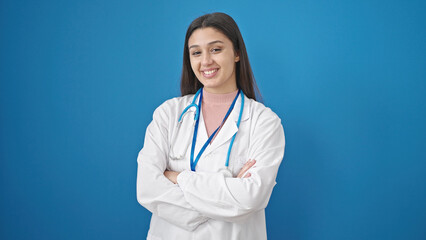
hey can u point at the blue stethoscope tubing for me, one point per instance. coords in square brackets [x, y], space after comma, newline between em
[197, 110]
[193, 163]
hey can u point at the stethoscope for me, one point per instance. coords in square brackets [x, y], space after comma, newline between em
[193, 162]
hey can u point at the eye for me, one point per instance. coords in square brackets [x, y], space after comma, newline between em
[195, 53]
[214, 50]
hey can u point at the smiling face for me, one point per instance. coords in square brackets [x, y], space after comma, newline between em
[213, 59]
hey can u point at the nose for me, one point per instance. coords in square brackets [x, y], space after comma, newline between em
[207, 60]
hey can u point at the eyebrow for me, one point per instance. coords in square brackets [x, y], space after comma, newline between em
[210, 43]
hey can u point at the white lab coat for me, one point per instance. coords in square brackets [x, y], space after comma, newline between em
[209, 203]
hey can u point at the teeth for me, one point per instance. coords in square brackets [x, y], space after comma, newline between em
[210, 72]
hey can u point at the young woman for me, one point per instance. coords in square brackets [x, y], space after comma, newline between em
[210, 157]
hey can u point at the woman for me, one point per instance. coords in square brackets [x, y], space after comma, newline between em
[209, 173]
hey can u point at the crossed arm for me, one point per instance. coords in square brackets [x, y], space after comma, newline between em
[200, 196]
[172, 175]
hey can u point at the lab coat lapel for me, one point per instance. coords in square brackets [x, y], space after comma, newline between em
[229, 128]
[201, 136]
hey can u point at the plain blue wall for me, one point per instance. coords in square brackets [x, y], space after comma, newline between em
[80, 80]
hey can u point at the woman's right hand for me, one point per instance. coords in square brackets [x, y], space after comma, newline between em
[250, 163]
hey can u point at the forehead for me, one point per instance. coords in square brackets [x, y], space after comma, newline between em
[203, 36]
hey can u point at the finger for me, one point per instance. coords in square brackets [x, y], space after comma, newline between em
[252, 162]
[246, 167]
[249, 166]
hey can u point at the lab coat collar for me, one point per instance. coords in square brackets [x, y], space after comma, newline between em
[246, 111]
[235, 112]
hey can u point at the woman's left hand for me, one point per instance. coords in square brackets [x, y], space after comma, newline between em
[171, 175]
[245, 168]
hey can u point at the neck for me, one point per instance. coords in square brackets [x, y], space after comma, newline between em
[219, 97]
[221, 91]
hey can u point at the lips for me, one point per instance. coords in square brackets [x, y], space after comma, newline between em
[209, 73]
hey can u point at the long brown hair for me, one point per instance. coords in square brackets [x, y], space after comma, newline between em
[222, 22]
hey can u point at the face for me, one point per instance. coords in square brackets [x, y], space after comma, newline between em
[213, 60]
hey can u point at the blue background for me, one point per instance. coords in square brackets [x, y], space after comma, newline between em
[81, 79]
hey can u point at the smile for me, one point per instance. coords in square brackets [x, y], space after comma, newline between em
[210, 73]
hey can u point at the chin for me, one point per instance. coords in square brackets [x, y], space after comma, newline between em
[211, 86]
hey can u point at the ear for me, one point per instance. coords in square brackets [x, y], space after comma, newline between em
[237, 56]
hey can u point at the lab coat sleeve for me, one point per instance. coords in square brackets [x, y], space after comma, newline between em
[154, 191]
[233, 199]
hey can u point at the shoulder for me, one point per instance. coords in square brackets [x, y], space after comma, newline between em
[171, 107]
[261, 114]
[265, 125]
